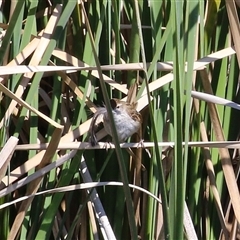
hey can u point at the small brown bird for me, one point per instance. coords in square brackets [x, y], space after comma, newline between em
[127, 120]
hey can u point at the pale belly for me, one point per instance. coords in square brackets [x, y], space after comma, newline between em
[125, 126]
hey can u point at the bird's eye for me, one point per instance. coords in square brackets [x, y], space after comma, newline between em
[113, 103]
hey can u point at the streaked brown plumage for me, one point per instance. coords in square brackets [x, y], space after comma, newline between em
[127, 120]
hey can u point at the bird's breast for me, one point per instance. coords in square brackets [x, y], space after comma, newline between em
[125, 125]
